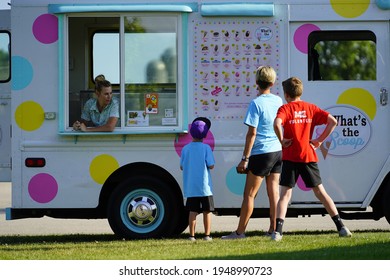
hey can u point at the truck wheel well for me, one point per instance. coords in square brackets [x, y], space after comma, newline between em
[376, 202]
[134, 170]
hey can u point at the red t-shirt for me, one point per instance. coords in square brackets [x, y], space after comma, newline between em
[299, 119]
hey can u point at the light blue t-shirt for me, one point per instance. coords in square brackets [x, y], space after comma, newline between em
[195, 159]
[91, 112]
[261, 114]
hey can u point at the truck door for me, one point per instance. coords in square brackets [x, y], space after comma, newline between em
[5, 97]
[345, 69]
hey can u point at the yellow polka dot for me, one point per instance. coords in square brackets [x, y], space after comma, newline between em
[29, 115]
[102, 167]
[350, 9]
[359, 98]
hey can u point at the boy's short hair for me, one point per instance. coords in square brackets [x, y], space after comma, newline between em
[265, 76]
[293, 87]
[199, 128]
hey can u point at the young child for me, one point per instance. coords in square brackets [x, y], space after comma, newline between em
[196, 161]
[294, 125]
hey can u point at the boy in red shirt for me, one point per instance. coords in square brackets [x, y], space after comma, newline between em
[294, 125]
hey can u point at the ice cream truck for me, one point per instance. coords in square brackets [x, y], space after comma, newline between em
[170, 62]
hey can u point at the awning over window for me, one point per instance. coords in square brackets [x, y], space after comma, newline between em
[88, 8]
[233, 9]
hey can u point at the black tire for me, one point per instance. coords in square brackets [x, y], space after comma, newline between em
[142, 208]
[182, 223]
[386, 203]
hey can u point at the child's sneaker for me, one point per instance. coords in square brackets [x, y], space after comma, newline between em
[276, 236]
[191, 238]
[234, 235]
[344, 232]
[207, 238]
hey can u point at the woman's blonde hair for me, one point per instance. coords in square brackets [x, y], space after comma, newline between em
[265, 76]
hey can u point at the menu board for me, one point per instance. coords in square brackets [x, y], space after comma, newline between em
[226, 56]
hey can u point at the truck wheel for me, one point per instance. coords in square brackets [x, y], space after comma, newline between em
[142, 208]
[386, 204]
[182, 222]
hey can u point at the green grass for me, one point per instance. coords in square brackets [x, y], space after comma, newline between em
[303, 245]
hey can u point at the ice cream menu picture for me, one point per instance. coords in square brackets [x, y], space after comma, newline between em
[227, 54]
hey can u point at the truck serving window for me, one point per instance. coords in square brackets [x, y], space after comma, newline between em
[342, 55]
[5, 69]
[138, 54]
[105, 55]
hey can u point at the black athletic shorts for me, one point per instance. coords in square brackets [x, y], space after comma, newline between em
[309, 173]
[200, 204]
[265, 164]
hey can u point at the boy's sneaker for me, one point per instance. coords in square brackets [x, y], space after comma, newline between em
[233, 235]
[207, 238]
[191, 238]
[276, 236]
[344, 232]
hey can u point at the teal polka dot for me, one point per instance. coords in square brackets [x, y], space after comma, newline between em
[22, 73]
[235, 182]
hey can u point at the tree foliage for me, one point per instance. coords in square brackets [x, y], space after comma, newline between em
[4, 65]
[347, 60]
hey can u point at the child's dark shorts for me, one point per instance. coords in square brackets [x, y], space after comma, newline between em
[309, 173]
[200, 204]
[265, 164]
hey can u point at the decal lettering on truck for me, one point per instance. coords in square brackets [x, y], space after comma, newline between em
[353, 131]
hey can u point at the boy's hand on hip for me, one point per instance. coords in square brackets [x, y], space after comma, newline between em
[286, 143]
[315, 143]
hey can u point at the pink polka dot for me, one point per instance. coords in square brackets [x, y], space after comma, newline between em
[43, 188]
[45, 28]
[184, 139]
[302, 34]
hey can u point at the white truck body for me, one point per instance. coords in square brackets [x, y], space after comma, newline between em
[170, 63]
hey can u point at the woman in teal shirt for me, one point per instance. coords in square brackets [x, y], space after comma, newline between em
[262, 157]
[101, 113]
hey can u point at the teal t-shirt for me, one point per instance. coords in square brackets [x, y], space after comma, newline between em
[91, 112]
[261, 114]
[195, 159]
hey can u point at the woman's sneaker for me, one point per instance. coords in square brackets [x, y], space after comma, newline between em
[191, 238]
[276, 236]
[207, 238]
[344, 232]
[234, 235]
